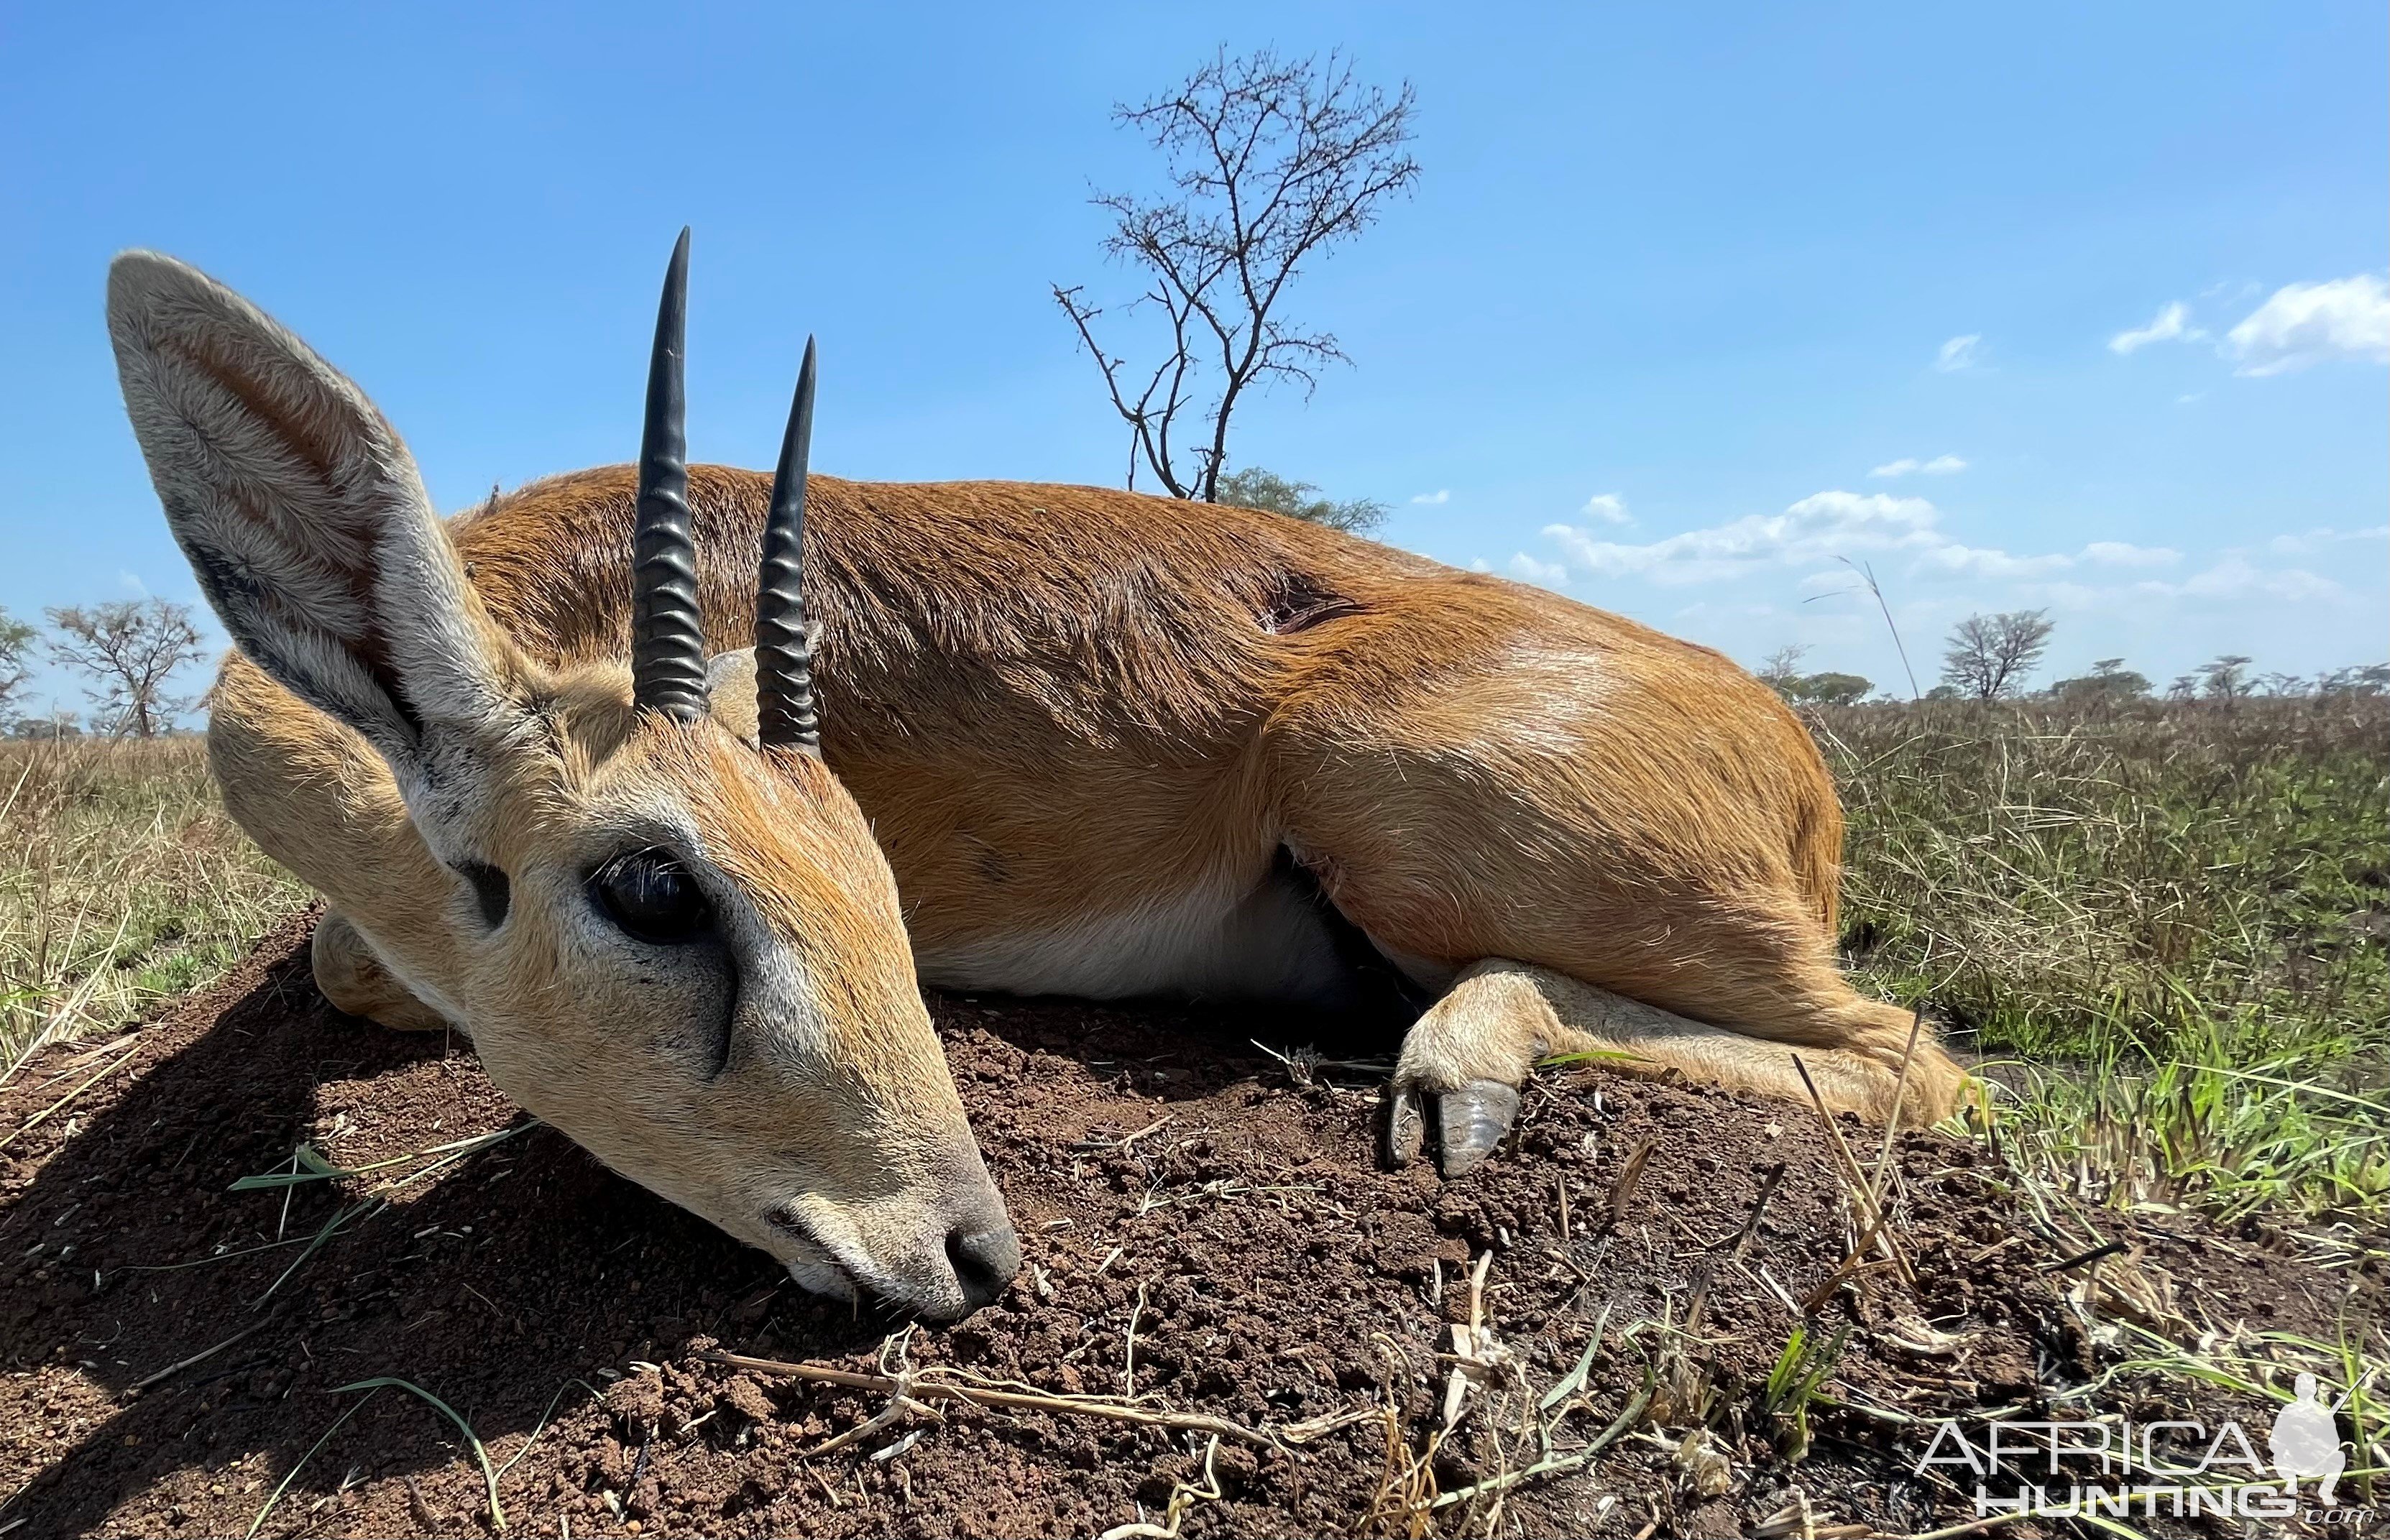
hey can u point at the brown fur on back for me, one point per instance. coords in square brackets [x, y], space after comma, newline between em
[1053, 699]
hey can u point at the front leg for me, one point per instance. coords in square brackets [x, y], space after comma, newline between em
[353, 979]
[1465, 1060]
[1470, 1054]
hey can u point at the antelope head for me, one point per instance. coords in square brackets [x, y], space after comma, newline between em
[659, 918]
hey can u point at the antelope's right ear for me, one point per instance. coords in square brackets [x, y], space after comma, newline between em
[306, 521]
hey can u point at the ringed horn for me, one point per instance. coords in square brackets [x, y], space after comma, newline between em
[667, 636]
[785, 712]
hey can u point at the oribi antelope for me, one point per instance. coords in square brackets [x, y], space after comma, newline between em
[668, 787]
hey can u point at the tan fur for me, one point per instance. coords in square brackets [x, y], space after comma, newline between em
[1501, 1017]
[1056, 700]
[358, 981]
[1068, 729]
[1474, 768]
[881, 1126]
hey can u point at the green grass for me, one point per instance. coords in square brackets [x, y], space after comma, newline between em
[122, 883]
[2161, 926]
[1801, 1369]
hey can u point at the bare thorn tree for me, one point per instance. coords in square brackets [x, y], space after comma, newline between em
[1271, 161]
[1988, 656]
[1782, 669]
[128, 649]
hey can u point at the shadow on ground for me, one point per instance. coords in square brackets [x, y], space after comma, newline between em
[503, 1284]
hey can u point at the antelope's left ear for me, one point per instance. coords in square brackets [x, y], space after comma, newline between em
[307, 525]
[730, 691]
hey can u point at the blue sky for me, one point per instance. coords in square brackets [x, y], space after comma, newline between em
[1679, 316]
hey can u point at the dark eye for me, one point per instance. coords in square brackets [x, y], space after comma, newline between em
[651, 896]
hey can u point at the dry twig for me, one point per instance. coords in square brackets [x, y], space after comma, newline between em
[1630, 1176]
[922, 1387]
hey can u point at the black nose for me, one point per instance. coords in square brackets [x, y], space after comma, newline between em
[984, 1261]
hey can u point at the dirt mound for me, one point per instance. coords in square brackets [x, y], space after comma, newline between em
[1208, 1237]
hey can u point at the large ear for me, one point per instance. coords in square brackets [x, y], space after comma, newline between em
[306, 521]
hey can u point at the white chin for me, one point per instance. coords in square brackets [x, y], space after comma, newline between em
[821, 1277]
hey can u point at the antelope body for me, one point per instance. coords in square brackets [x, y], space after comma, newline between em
[1070, 741]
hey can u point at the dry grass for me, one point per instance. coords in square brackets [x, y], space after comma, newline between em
[122, 882]
[2163, 925]
[2050, 877]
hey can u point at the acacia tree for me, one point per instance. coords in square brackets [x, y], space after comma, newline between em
[1255, 488]
[2361, 679]
[1831, 688]
[2109, 680]
[1988, 656]
[2226, 678]
[16, 651]
[129, 650]
[1782, 672]
[1271, 162]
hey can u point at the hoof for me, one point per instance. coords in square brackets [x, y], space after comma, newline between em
[1469, 1123]
[1406, 1127]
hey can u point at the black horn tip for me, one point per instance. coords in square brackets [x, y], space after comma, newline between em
[674, 304]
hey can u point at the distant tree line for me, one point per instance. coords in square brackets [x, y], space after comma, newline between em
[1782, 672]
[126, 651]
[1994, 657]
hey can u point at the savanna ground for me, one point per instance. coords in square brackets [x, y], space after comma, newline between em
[2160, 929]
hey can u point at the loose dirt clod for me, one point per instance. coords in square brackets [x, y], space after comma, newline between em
[1231, 1321]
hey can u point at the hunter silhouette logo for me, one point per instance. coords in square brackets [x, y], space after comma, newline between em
[2307, 1443]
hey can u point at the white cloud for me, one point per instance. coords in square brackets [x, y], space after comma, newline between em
[1436, 498]
[1526, 569]
[130, 582]
[2233, 579]
[1814, 530]
[1816, 533]
[1608, 507]
[2118, 553]
[1940, 465]
[2308, 323]
[2316, 540]
[2236, 577]
[1989, 562]
[1958, 352]
[2171, 324]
